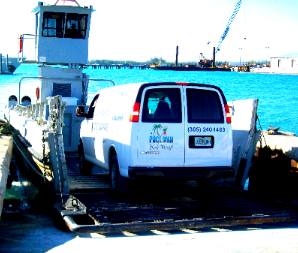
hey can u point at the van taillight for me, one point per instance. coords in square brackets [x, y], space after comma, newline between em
[134, 116]
[228, 114]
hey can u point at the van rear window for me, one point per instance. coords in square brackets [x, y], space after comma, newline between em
[204, 106]
[162, 105]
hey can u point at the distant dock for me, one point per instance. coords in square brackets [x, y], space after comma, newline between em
[118, 66]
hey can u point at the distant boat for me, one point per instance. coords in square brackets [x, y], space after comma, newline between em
[8, 65]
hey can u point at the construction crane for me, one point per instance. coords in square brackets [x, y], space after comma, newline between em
[226, 31]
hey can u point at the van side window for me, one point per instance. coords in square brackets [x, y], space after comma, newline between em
[92, 107]
[162, 105]
[204, 106]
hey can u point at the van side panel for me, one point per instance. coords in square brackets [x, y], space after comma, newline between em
[111, 125]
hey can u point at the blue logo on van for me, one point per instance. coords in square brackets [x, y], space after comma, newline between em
[159, 135]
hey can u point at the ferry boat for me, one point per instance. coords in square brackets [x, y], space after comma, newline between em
[46, 128]
[43, 111]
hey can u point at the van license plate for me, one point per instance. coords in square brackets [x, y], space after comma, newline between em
[201, 141]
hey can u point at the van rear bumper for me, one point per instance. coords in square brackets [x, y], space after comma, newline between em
[181, 172]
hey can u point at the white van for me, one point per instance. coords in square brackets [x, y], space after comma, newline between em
[158, 129]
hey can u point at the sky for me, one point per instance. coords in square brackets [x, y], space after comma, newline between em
[140, 30]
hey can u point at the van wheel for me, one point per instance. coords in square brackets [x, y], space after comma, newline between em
[85, 166]
[118, 183]
[114, 173]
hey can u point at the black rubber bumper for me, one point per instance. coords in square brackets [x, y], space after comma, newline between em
[181, 172]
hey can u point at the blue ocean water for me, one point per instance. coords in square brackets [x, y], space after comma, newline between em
[277, 94]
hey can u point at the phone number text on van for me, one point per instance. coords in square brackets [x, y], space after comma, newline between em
[206, 129]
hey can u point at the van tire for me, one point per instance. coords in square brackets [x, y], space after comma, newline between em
[84, 165]
[117, 182]
[114, 173]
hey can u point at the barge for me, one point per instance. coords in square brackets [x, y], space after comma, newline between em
[191, 68]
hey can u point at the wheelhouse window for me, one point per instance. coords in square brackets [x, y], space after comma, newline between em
[162, 105]
[76, 26]
[53, 24]
[64, 25]
[204, 106]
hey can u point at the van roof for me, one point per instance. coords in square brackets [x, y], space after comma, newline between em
[208, 86]
[142, 86]
[119, 87]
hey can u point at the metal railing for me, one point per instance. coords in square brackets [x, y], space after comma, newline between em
[21, 55]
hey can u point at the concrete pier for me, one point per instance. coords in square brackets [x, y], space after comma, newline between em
[5, 158]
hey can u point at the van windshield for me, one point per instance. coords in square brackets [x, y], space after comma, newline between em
[162, 105]
[204, 106]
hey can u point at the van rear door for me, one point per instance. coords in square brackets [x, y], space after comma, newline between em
[208, 137]
[160, 130]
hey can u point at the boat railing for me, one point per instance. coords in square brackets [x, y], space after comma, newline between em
[28, 42]
[28, 51]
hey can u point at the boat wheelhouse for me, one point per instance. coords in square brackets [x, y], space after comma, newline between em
[43, 111]
[60, 48]
[62, 34]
